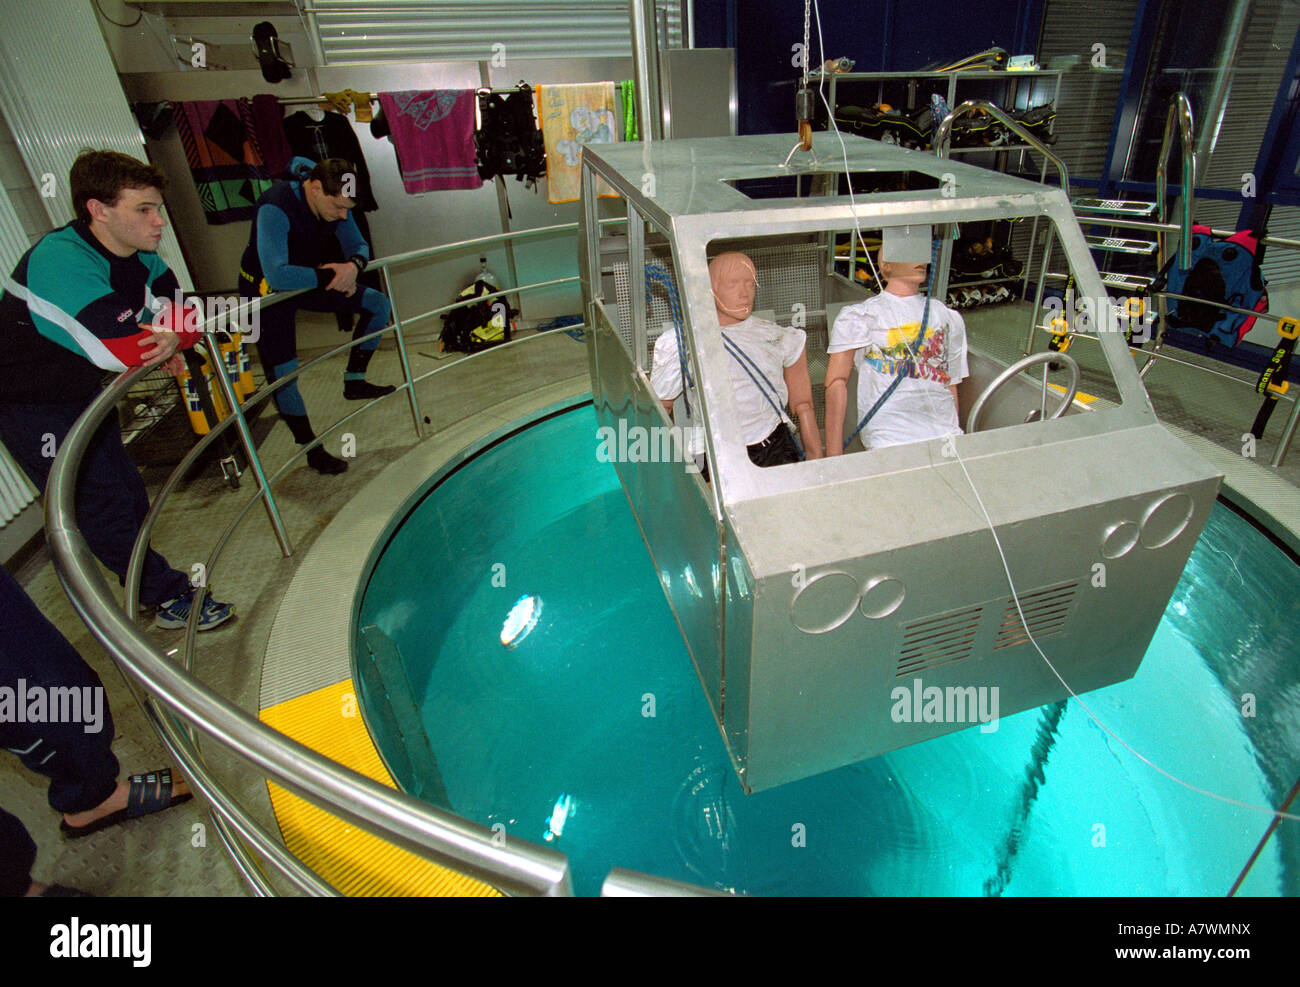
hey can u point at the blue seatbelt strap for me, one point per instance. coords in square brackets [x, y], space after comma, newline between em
[655, 274]
[902, 374]
[762, 383]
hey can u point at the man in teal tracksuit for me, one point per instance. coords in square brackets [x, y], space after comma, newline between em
[79, 303]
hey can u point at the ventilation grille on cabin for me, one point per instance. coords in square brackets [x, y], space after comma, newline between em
[948, 637]
[1045, 612]
[938, 640]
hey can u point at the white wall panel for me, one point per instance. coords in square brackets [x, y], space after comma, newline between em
[59, 93]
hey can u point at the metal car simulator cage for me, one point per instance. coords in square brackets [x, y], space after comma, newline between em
[814, 597]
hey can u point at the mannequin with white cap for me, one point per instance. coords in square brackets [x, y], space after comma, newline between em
[767, 363]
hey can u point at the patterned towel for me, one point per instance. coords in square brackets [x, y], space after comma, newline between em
[573, 115]
[224, 157]
[433, 133]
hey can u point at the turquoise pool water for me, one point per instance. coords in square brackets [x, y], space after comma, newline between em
[549, 738]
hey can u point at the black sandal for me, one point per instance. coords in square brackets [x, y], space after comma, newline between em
[147, 794]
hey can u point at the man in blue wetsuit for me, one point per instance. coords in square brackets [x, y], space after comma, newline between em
[293, 221]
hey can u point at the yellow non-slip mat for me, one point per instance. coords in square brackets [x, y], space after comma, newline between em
[357, 863]
[1078, 395]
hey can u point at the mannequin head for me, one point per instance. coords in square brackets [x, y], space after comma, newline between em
[902, 277]
[734, 282]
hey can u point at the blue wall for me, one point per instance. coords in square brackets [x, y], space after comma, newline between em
[879, 35]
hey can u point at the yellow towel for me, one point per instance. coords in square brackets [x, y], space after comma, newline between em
[573, 115]
[347, 101]
[337, 102]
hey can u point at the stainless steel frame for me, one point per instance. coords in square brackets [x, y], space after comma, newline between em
[806, 594]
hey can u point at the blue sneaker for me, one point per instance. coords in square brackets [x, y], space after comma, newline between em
[175, 614]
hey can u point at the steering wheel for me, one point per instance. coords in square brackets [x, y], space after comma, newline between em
[1047, 356]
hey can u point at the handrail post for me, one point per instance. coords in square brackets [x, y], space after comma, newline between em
[1287, 434]
[250, 447]
[1038, 296]
[401, 356]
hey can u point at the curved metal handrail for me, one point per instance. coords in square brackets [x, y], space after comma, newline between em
[1180, 112]
[430, 833]
[942, 140]
[943, 134]
[439, 836]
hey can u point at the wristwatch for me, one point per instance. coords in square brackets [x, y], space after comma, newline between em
[359, 261]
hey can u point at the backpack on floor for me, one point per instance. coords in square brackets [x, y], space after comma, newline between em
[1223, 270]
[476, 327]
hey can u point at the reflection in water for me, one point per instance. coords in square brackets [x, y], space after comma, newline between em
[521, 619]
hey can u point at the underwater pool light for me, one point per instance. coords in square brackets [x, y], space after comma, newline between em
[521, 619]
[563, 808]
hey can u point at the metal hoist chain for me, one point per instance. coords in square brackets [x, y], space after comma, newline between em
[803, 98]
[807, 51]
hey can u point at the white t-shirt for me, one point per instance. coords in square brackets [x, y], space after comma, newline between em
[772, 348]
[882, 329]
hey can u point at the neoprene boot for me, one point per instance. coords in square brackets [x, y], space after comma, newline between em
[355, 385]
[317, 458]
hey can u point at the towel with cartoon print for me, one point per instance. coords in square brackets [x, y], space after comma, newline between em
[573, 115]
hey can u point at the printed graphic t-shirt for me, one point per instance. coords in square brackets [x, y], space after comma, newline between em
[882, 329]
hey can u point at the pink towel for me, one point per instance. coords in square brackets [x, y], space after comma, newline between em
[433, 133]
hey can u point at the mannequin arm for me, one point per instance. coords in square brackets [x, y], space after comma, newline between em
[838, 368]
[799, 384]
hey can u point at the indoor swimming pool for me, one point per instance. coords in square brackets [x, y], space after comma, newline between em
[519, 666]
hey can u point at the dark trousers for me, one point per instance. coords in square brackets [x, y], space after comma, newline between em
[278, 339]
[17, 855]
[111, 499]
[776, 450]
[35, 658]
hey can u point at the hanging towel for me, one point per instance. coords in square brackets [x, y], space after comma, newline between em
[268, 125]
[224, 157]
[627, 96]
[433, 133]
[361, 108]
[573, 115]
[348, 101]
